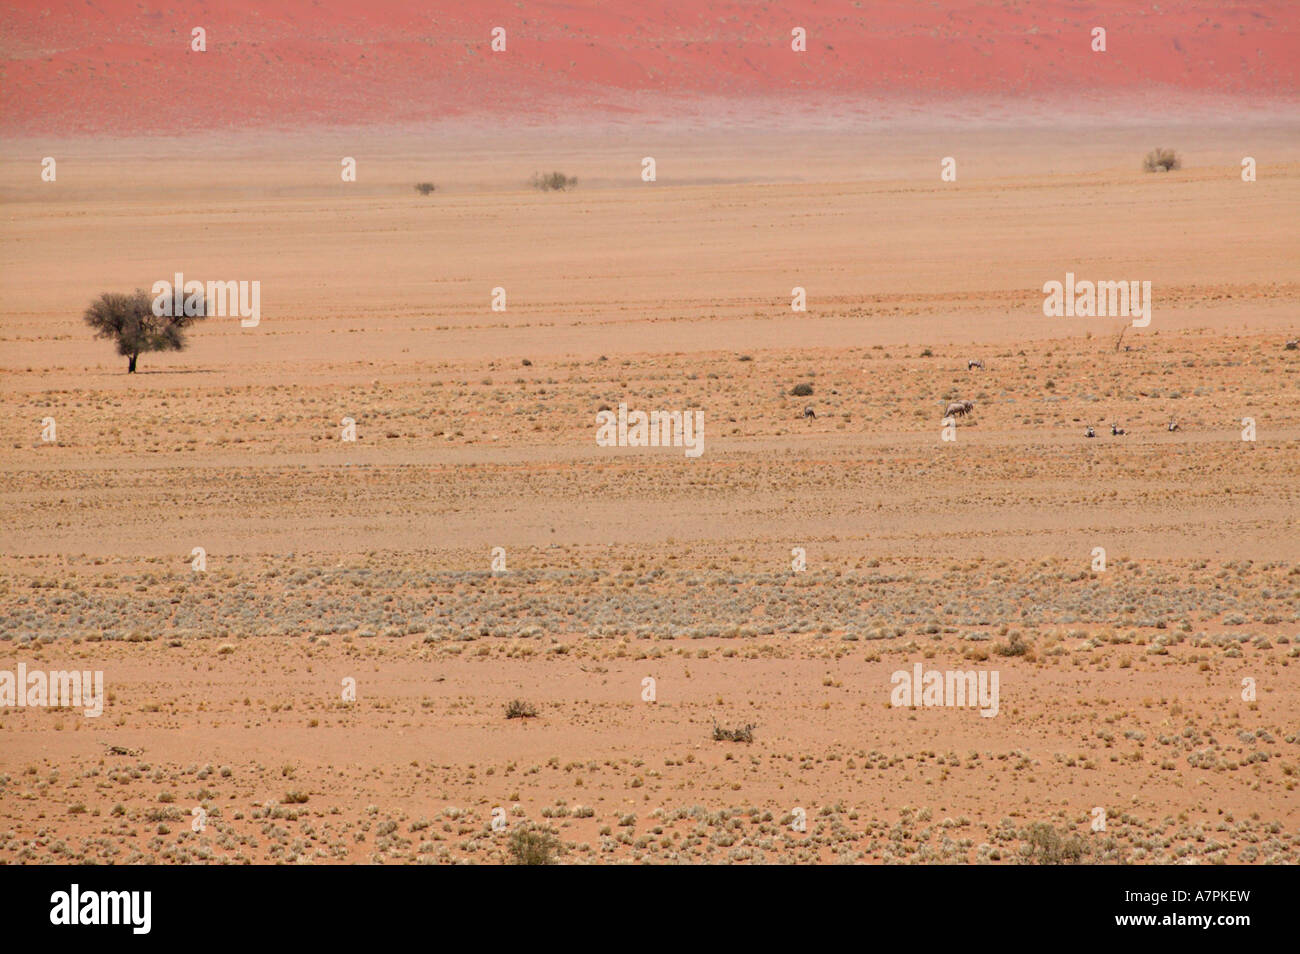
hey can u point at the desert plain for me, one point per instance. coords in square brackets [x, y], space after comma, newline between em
[475, 633]
[372, 561]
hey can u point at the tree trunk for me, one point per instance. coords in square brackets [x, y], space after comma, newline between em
[130, 368]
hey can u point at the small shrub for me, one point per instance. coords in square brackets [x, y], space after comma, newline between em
[519, 709]
[295, 798]
[424, 188]
[1015, 646]
[553, 181]
[533, 846]
[1161, 160]
[802, 390]
[1049, 848]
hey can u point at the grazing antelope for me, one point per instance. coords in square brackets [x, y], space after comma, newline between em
[1292, 345]
[975, 363]
[959, 409]
[1173, 426]
[809, 412]
[1089, 432]
[1116, 430]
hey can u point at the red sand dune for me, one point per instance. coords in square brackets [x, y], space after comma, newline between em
[122, 66]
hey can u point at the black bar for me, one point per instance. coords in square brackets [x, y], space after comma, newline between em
[940, 904]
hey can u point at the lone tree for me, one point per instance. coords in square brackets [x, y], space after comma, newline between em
[130, 322]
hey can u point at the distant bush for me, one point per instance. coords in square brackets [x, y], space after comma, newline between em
[519, 709]
[1161, 160]
[802, 390]
[533, 846]
[424, 188]
[553, 181]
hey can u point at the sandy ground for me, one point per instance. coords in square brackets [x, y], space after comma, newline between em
[370, 560]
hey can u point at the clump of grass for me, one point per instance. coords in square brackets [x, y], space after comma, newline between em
[803, 389]
[553, 181]
[533, 846]
[744, 733]
[1161, 160]
[295, 797]
[424, 188]
[520, 709]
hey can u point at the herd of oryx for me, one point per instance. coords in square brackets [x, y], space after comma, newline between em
[962, 408]
[956, 409]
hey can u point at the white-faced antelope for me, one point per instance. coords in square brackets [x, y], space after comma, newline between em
[809, 412]
[1173, 426]
[1116, 430]
[975, 363]
[959, 409]
[1089, 432]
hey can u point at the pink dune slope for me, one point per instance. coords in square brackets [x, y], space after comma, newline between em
[122, 66]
